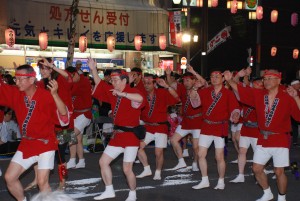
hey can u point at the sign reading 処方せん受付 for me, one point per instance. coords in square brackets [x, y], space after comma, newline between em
[97, 22]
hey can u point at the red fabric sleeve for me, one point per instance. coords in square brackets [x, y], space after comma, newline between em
[246, 95]
[101, 90]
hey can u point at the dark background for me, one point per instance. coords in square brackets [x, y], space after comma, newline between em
[233, 53]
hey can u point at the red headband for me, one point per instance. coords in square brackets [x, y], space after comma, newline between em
[216, 72]
[118, 74]
[269, 73]
[33, 74]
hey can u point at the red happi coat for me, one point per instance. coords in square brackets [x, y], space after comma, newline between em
[276, 119]
[140, 86]
[188, 110]
[220, 112]
[126, 115]
[82, 97]
[1, 114]
[160, 101]
[36, 118]
[249, 115]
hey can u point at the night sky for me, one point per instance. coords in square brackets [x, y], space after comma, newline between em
[233, 53]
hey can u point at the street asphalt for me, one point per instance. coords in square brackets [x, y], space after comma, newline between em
[84, 184]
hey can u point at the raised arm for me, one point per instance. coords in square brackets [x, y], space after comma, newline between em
[198, 77]
[171, 90]
[195, 98]
[246, 79]
[93, 67]
[294, 94]
[229, 78]
[63, 115]
[131, 96]
[52, 66]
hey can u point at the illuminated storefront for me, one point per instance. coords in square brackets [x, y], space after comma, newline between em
[96, 20]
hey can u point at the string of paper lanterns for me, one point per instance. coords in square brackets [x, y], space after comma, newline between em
[10, 38]
[274, 16]
[111, 41]
[295, 52]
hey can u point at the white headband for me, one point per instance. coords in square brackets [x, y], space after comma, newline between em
[295, 82]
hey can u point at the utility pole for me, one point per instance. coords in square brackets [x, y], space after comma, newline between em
[204, 37]
[188, 51]
[258, 44]
[73, 21]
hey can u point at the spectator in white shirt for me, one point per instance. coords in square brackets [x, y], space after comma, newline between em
[9, 129]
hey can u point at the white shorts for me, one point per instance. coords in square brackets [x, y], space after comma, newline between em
[81, 122]
[129, 152]
[279, 155]
[161, 140]
[236, 127]
[206, 141]
[245, 142]
[184, 132]
[44, 160]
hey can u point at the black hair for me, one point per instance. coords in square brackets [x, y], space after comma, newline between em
[150, 75]
[256, 78]
[136, 69]
[29, 69]
[7, 110]
[54, 74]
[177, 76]
[188, 74]
[9, 78]
[107, 72]
[39, 63]
[215, 69]
[71, 69]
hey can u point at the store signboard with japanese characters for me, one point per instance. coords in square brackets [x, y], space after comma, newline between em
[30, 18]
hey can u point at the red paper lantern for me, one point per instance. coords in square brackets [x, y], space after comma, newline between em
[274, 16]
[138, 42]
[10, 37]
[43, 40]
[273, 51]
[259, 12]
[294, 19]
[82, 43]
[214, 3]
[295, 54]
[162, 42]
[233, 6]
[111, 43]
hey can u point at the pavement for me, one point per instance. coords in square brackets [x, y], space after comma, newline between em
[84, 184]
